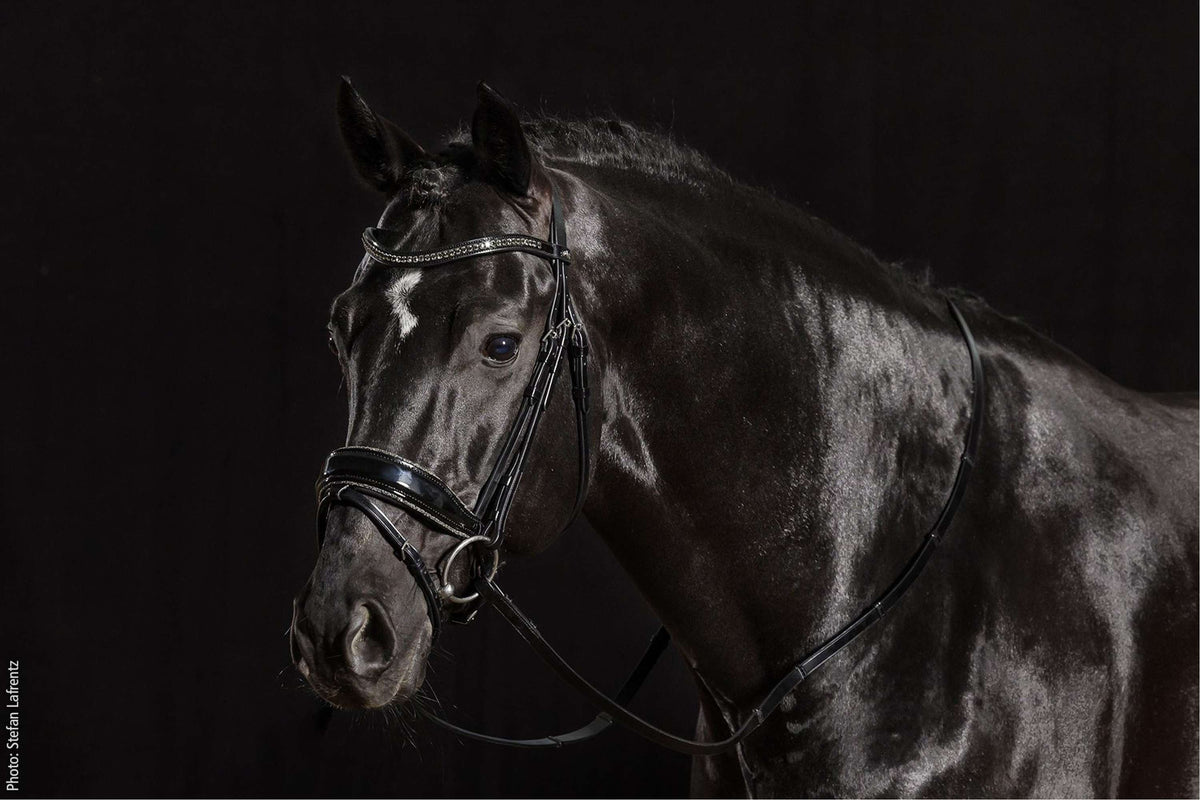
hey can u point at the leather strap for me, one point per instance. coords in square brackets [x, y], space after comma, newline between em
[564, 331]
[381, 245]
[602, 721]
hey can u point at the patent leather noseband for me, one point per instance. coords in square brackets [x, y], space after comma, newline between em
[357, 477]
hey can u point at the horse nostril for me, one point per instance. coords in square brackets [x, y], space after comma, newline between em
[369, 641]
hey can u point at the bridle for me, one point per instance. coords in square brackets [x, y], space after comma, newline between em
[357, 477]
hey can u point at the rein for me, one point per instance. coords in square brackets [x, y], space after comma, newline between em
[358, 476]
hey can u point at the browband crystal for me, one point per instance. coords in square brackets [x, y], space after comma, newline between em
[374, 242]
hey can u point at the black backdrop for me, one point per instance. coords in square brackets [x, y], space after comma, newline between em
[177, 216]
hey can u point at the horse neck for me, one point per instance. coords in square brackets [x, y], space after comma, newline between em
[781, 422]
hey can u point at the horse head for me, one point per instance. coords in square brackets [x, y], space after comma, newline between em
[444, 358]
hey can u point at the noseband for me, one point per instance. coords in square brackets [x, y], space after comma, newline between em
[358, 476]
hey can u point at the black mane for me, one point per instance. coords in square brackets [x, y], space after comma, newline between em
[611, 142]
[608, 142]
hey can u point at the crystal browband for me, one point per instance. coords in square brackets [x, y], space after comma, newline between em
[381, 245]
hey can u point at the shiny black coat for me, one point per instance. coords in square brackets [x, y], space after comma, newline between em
[784, 420]
[779, 420]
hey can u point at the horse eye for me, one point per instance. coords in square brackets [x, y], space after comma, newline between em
[501, 348]
[333, 348]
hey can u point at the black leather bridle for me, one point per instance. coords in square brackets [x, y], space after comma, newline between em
[358, 476]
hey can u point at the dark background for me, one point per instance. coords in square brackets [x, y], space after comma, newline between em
[177, 215]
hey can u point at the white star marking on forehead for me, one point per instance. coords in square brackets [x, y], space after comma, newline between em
[397, 296]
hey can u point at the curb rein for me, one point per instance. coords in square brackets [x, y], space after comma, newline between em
[356, 477]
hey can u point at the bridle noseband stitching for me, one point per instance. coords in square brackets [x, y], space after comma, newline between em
[401, 483]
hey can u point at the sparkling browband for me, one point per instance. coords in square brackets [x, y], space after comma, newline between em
[374, 241]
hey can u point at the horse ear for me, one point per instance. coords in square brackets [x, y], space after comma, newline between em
[499, 142]
[380, 151]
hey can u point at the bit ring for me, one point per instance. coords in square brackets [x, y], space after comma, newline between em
[447, 590]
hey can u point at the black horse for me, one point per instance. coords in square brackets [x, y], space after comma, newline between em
[777, 418]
